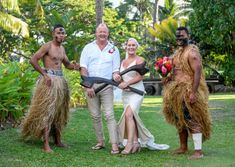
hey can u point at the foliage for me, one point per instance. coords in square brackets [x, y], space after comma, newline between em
[78, 18]
[212, 24]
[165, 31]
[165, 40]
[184, 9]
[16, 84]
[135, 10]
[77, 97]
[8, 18]
[169, 10]
[79, 136]
[9, 42]
[15, 26]
[121, 29]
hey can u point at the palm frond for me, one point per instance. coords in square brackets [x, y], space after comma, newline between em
[10, 6]
[165, 31]
[39, 9]
[13, 24]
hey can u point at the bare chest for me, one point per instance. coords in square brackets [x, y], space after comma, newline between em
[180, 60]
[56, 54]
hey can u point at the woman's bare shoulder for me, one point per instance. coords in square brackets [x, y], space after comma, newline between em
[139, 60]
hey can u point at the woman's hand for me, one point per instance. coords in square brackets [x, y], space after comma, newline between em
[117, 77]
[123, 85]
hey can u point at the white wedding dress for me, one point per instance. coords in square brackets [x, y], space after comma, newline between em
[134, 100]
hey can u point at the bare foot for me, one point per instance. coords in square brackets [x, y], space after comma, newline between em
[47, 149]
[60, 144]
[180, 151]
[196, 155]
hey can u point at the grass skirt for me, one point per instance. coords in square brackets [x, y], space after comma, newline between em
[49, 108]
[175, 96]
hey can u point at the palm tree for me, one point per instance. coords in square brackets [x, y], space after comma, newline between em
[136, 8]
[184, 9]
[99, 11]
[12, 20]
[165, 31]
[155, 12]
[174, 9]
[169, 9]
[8, 21]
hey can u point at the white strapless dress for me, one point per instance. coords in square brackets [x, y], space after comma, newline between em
[134, 100]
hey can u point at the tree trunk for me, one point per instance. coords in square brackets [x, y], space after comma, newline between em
[155, 20]
[155, 13]
[99, 12]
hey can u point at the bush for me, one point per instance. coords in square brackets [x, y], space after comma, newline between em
[16, 83]
[76, 93]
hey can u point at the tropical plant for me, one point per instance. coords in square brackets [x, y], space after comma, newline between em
[9, 20]
[77, 96]
[135, 9]
[165, 31]
[184, 9]
[16, 84]
[15, 26]
[169, 9]
[212, 25]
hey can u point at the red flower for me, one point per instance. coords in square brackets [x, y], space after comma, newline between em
[111, 50]
[168, 67]
[159, 62]
[163, 66]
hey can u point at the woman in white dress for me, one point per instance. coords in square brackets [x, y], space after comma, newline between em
[130, 125]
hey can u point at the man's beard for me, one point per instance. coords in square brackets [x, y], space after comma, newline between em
[182, 42]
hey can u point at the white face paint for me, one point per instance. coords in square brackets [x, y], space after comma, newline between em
[59, 34]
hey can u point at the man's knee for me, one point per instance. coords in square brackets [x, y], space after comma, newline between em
[96, 117]
[109, 116]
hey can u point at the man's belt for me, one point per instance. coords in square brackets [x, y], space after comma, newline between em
[54, 72]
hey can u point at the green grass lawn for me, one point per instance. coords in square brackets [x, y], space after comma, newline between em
[219, 151]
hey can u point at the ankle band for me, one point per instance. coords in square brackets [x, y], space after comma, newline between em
[197, 140]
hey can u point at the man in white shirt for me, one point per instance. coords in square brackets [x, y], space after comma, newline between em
[101, 59]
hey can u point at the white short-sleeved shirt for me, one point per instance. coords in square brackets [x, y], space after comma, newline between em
[100, 63]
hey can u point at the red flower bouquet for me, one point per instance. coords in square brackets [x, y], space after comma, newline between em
[163, 66]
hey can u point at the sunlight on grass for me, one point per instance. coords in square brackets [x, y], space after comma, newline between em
[218, 108]
[79, 136]
[153, 99]
[221, 97]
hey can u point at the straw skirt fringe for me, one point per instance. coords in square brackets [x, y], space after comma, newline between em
[177, 94]
[49, 108]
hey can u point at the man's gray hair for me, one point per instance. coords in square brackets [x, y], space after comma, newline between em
[102, 25]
